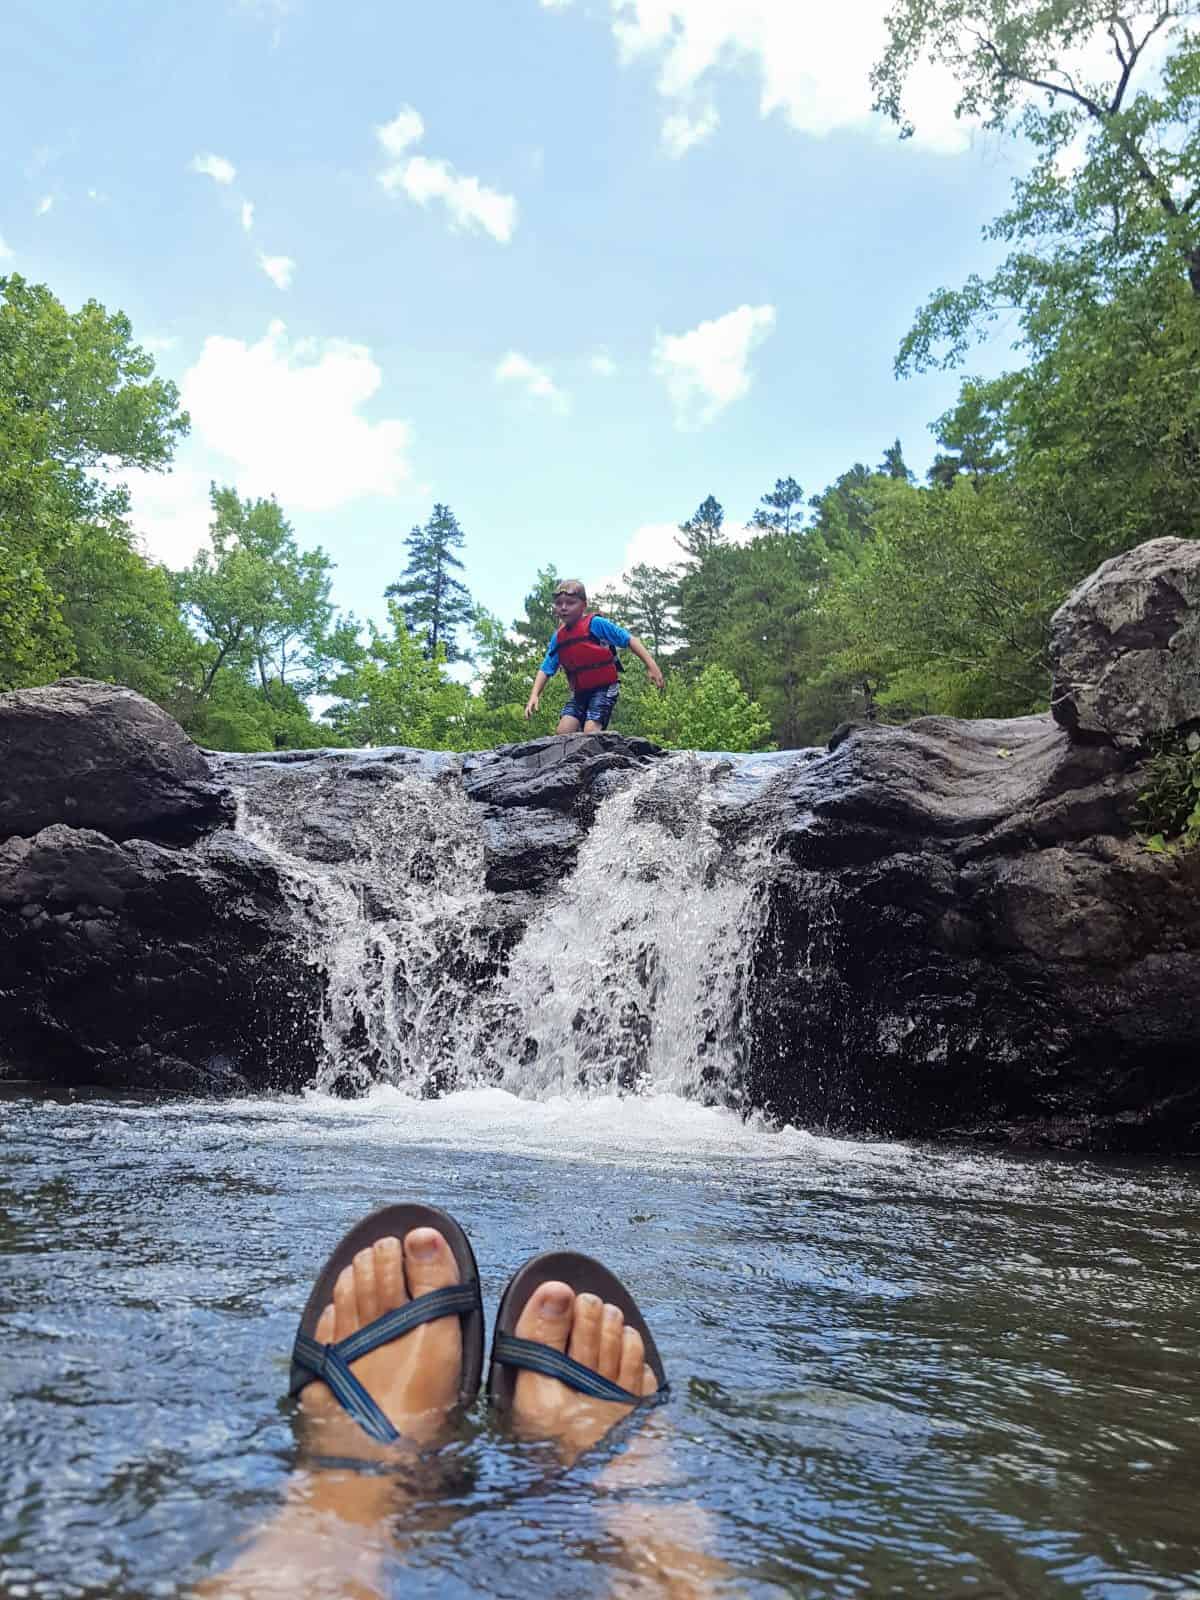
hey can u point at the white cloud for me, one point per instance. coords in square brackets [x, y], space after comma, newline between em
[812, 61]
[656, 544]
[516, 368]
[286, 419]
[603, 365]
[170, 512]
[46, 203]
[680, 130]
[471, 204]
[406, 128]
[247, 214]
[555, 5]
[215, 167]
[159, 344]
[280, 269]
[706, 369]
[6, 250]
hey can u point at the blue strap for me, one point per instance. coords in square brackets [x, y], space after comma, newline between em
[331, 1362]
[534, 1357]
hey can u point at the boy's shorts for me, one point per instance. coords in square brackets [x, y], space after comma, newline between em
[593, 705]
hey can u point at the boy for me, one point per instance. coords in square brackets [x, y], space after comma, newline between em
[586, 646]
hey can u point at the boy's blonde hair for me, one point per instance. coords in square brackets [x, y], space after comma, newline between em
[572, 584]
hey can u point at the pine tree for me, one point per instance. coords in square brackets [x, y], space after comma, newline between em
[649, 606]
[781, 511]
[702, 532]
[893, 464]
[435, 603]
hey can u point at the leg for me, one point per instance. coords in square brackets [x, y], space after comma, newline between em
[332, 1534]
[663, 1545]
[567, 724]
[593, 727]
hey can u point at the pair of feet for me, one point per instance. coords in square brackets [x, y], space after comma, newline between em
[415, 1380]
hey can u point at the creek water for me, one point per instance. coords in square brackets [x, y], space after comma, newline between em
[897, 1370]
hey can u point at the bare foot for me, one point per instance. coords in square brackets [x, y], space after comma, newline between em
[415, 1380]
[593, 1334]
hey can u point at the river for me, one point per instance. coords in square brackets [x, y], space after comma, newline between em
[897, 1370]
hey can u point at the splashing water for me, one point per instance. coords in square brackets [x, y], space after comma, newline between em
[631, 975]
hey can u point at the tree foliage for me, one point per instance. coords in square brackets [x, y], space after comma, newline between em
[436, 603]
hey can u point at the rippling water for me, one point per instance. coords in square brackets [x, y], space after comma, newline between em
[897, 1370]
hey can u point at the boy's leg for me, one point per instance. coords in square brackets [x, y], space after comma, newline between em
[573, 714]
[600, 708]
[569, 725]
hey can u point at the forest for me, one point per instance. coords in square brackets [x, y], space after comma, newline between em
[875, 597]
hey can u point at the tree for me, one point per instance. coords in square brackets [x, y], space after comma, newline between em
[648, 606]
[120, 611]
[436, 603]
[710, 712]
[702, 532]
[78, 398]
[261, 606]
[782, 509]
[973, 430]
[893, 464]
[398, 694]
[1066, 75]
[513, 656]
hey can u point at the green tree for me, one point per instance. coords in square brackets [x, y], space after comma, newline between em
[782, 509]
[1062, 73]
[398, 695]
[512, 658]
[708, 712]
[703, 532]
[648, 605]
[78, 400]
[436, 603]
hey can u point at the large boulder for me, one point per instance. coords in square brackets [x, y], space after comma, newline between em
[1125, 646]
[964, 938]
[138, 965]
[95, 756]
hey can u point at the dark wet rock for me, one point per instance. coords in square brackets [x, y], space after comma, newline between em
[132, 964]
[555, 774]
[1126, 646]
[964, 939]
[95, 756]
[528, 849]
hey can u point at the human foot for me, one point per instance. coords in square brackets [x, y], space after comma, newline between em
[415, 1379]
[595, 1334]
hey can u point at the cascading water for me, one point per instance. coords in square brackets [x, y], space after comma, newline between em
[630, 975]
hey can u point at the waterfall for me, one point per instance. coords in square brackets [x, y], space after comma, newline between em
[630, 974]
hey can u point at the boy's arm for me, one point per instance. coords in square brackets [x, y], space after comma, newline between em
[535, 697]
[653, 670]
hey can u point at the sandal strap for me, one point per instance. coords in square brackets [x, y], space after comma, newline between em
[331, 1362]
[534, 1357]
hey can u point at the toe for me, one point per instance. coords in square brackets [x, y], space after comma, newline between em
[324, 1331]
[345, 1304]
[365, 1289]
[546, 1317]
[585, 1331]
[633, 1356]
[428, 1261]
[389, 1274]
[612, 1325]
[649, 1382]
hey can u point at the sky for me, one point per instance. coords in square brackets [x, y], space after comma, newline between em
[567, 266]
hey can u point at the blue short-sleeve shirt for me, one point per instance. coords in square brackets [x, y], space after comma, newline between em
[600, 629]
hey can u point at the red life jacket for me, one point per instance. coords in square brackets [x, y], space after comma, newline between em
[587, 663]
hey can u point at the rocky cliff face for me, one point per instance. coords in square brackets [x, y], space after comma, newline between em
[962, 936]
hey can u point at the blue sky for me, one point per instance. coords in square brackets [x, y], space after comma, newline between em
[568, 267]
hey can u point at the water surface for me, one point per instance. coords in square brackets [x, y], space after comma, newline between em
[897, 1370]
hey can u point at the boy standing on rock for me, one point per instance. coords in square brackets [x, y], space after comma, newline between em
[585, 647]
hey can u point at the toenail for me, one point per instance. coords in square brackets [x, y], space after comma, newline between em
[423, 1244]
[556, 1301]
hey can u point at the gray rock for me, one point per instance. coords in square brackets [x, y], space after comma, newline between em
[967, 941]
[95, 756]
[150, 967]
[1125, 646]
[554, 773]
